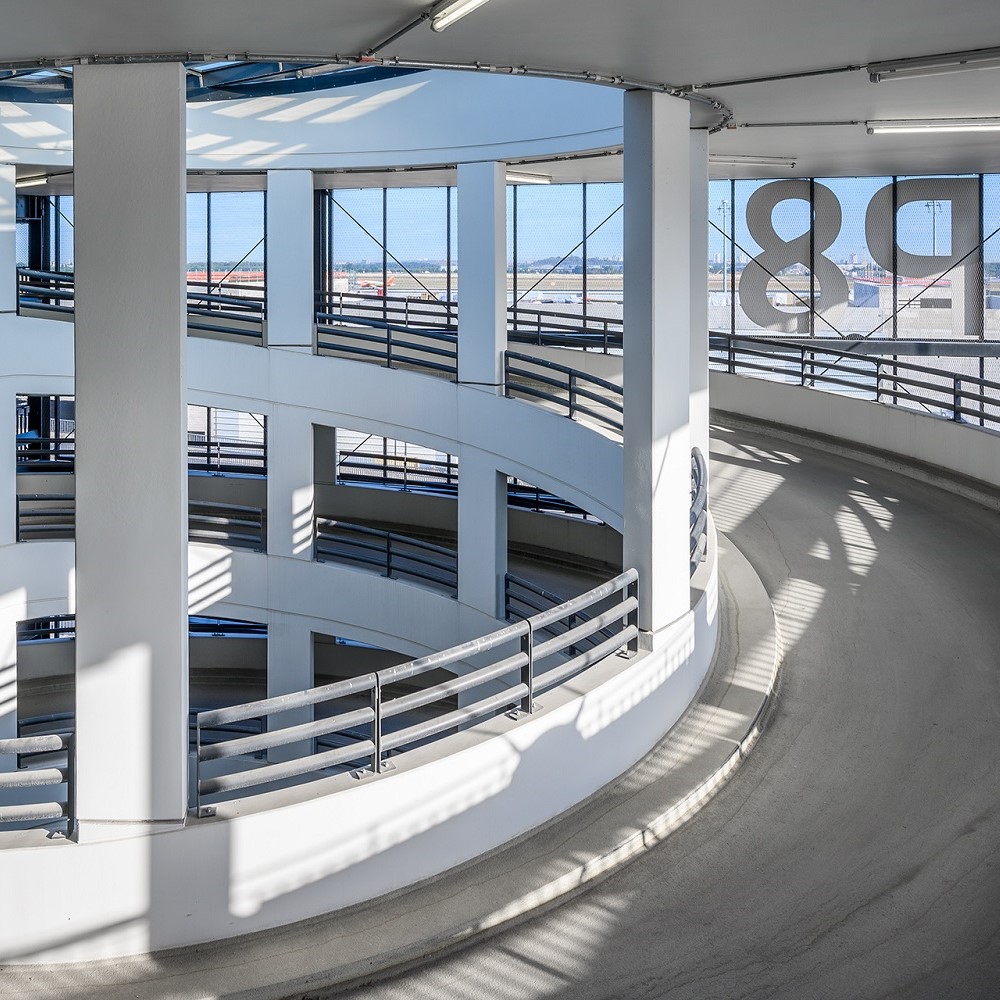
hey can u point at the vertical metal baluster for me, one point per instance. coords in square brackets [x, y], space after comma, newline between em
[377, 724]
[528, 669]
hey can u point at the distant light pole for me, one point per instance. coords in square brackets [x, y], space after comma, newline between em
[933, 207]
[723, 214]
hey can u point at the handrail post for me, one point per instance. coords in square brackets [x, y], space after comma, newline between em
[388, 346]
[377, 725]
[572, 392]
[878, 380]
[388, 555]
[528, 669]
[802, 365]
[197, 766]
[732, 357]
[570, 625]
[632, 590]
[71, 786]
[956, 411]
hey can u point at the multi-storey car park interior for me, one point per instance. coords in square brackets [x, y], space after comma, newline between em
[501, 498]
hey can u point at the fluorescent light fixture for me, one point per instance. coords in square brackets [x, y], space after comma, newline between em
[946, 62]
[516, 177]
[918, 125]
[750, 158]
[28, 182]
[449, 12]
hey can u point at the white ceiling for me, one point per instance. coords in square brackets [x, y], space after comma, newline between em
[661, 41]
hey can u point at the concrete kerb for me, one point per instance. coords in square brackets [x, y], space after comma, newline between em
[326, 955]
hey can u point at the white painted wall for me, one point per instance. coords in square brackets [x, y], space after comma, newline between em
[943, 444]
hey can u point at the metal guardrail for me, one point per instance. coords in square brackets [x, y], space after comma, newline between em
[230, 308]
[398, 310]
[379, 713]
[440, 478]
[959, 397]
[45, 454]
[227, 455]
[53, 516]
[525, 325]
[227, 524]
[581, 394]
[48, 454]
[699, 508]
[39, 776]
[558, 329]
[390, 345]
[394, 554]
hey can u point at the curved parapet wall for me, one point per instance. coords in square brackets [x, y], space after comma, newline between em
[932, 447]
[290, 854]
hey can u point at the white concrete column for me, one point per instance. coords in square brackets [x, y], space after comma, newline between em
[289, 669]
[289, 483]
[11, 610]
[482, 533]
[8, 466]
[699, 290]
[656, 364]
[482, 270]
[290, 278]
[8, 245]
[131, 447]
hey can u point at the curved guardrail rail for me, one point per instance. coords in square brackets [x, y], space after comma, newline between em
[581, 394]
[28, 777]
[228, 309]
[525, 325]
[375, 715]
[699, 508]
[959, 397]
[438, 477]
[53, 516]
[391, 345]
[394, 554]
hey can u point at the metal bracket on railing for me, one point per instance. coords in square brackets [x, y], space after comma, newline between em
[956, 408]
[200, 811]
[632, 590]
[528, 669]
[377, 725]
[71, 830]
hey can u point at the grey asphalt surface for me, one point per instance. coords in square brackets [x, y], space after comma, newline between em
[856, 854]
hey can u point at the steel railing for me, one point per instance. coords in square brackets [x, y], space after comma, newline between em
[31, 753]
[544, 328]
[955, 396]
[699, 508]
[583, 395]
[384, 713]
[227, 455]
[395, 309]
[395, 555]
[429, 350]
[229, 308]
[45, 454]
[439, 477]
[53, 516]
[525, 325]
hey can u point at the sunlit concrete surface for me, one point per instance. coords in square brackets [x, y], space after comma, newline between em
[554, 863]
[857, 851]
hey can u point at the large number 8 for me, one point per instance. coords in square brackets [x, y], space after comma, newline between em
[779, 254]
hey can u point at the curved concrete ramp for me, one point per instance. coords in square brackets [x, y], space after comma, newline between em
[857, 851]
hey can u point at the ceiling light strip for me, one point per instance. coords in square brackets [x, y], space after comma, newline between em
[930, 125]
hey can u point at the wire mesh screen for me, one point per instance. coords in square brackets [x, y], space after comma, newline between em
[417, 242]
[991, 255]
[876, 257]
[226, 248]
[371, 460]
[238, 246]
[604, 251]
